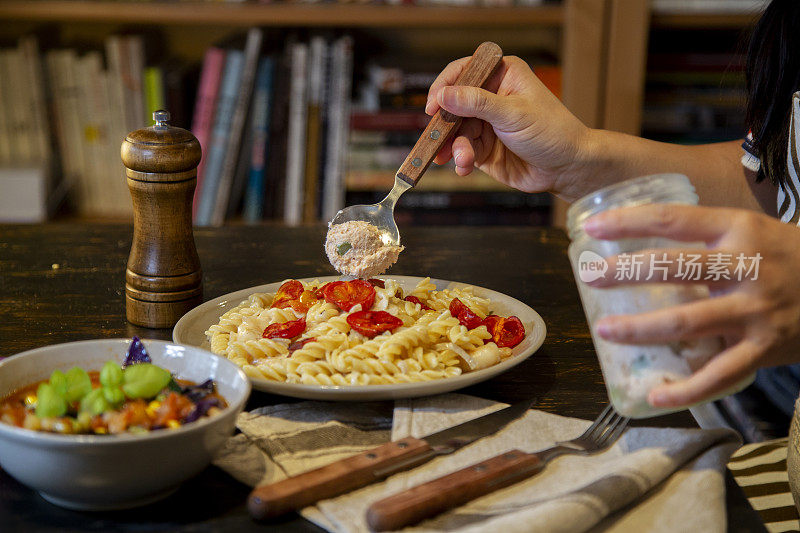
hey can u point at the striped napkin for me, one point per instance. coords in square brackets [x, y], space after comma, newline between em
[760, 469]
[652, 479]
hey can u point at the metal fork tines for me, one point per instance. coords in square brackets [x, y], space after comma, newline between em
[602, 434]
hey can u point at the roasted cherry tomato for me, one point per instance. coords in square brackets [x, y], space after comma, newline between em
[304, 303]
[319, 292]
[346, 294]
[290, 290]
[377, 282]
[490, 322]
[506, 332]
[370, 323]
[415, 300]
[464, 314]
[296, 345]
[285, 330]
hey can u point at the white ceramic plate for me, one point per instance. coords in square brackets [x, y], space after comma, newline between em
[191, 328]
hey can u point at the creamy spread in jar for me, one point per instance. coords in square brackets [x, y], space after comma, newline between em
[355, 248]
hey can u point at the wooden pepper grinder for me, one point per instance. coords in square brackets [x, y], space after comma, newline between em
[163, 280]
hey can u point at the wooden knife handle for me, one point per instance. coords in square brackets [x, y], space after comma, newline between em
[476, 73]
[268, 501]
[435, 497]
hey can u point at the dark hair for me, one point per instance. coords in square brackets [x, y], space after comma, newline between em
[773, 75]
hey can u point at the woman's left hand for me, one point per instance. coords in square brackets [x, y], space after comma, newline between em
[758, 316]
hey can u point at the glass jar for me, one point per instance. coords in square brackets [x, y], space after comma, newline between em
[631, 371]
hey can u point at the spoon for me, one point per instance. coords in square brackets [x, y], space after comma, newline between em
[480, 67]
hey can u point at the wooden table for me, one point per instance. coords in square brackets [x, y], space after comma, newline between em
[65, 282]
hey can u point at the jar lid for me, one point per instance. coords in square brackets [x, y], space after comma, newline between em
[161, 147]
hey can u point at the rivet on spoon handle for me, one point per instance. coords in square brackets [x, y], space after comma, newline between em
[476, 73]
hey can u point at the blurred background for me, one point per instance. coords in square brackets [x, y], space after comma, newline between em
[302, 107]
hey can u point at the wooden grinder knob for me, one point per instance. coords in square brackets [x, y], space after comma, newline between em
[163, 280]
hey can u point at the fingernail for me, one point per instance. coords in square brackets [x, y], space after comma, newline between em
[657, 398]
[447, 96]
[457, 157]
[428, 105]
[605, 329]
[592, 225]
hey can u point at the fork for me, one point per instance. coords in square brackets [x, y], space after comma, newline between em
[449, 491]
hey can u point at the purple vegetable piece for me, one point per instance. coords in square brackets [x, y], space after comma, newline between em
[136, 353]
[198, 392]
[201, 408]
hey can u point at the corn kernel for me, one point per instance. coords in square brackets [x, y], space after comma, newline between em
[30, 400]
[101, 431]
[173, 424]
[151, 408]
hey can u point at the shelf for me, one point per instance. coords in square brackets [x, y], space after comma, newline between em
[701, 20]
[290, 14]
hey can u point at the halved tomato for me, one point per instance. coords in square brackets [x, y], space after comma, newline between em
[346, 294]
[371, 323]
[414, 299]
[464, 314]
[285, 330]
[506, 332]
[290, 290]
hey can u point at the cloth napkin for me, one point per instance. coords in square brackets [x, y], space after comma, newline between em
[652, 479]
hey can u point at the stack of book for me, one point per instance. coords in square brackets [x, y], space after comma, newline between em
[274, 125]
[67, 113]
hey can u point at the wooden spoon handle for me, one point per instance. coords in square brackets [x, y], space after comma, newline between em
[269, 501]
[435, 497]
[482, 64]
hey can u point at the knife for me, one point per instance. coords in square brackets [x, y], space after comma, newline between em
[294, 493]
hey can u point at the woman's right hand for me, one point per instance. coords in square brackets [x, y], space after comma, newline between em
[515, 130]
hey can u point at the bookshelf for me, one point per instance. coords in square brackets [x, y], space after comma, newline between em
[297, 15]
[601, 44]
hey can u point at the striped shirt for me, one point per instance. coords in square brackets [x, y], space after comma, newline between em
[789, 189]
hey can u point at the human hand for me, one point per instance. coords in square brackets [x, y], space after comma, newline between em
[758, 317]
[515, 130]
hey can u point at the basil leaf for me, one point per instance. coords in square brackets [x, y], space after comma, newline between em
[343, 248]
[78, 384]
[49, 403]
[144, 380]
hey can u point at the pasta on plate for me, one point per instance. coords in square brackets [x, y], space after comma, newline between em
[363, 333]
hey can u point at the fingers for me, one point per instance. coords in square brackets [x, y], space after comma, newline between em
[463, 155]
[709, 267]
[678, 222]
[445, 153]
[478, 103]
[703, 318]
[721, 373]
[447, 77]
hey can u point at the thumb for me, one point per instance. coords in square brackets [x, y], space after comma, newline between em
[475, 102]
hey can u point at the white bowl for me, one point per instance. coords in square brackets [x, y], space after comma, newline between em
[101, 472]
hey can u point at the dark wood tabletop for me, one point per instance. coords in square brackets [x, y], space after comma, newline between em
[65, 282]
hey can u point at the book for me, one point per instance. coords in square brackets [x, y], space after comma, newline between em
[296, 142]
[37, 102]
[240, 114]
[6, 105]
[205, 105]
[253, 209]
[333, 189]
[316, 73]
[153, 92]
[133, 79]
[223, 115]
[275, 172]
